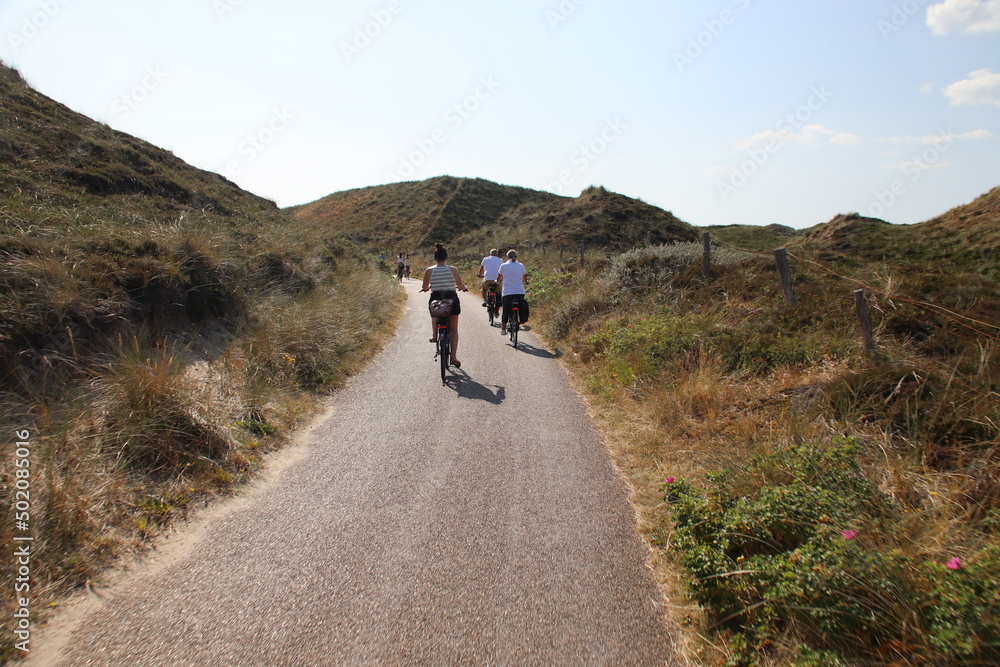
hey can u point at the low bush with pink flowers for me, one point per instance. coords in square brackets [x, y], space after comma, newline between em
[799, 553]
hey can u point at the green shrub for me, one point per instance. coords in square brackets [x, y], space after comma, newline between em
[963, 608]
[796, 550]
[764, 352]
[639, 346]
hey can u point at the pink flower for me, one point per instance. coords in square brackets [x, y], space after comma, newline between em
[668, 480]
[849, 534]
[954, 564]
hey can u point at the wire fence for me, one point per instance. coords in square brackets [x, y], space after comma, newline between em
[982, 329]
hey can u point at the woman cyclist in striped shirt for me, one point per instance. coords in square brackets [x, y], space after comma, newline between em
[444, 282]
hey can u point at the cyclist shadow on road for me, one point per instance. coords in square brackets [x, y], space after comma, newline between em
[466, 387]
[535, 351]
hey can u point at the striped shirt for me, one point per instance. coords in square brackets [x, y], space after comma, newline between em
[442, 279]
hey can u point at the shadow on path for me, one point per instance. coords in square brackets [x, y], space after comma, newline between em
[534, 351]
[468, 388]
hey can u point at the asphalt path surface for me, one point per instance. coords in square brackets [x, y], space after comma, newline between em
[474, 523]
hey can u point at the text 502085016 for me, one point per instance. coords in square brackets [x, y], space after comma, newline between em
[22, 539]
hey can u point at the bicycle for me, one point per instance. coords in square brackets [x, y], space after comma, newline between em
[492, 303]
[442, 345]
[514, 320]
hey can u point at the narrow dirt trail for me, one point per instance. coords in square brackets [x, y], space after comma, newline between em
[475, 523]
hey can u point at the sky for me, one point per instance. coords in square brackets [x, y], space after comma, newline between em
[720, 111]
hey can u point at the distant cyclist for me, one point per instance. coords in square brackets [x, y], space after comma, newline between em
[399, 266]
[513, 278]
[444, 282]
[406, 266]
[488, 272]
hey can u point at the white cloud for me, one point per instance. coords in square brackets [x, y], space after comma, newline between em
[929, 139]
[982, 87]
[975, 134]
[761, 138]
[846, 139]
[968, 16]
[808, 134]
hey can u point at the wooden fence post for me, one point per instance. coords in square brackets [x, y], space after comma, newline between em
[781, 255]
[649, 237]
[864, 318]
[706, 254]
[583, 247]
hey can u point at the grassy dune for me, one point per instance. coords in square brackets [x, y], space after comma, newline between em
[412, 216]
[804, 503]
[160, 331]
[473, 215]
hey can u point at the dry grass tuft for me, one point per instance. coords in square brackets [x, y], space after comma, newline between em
[156, 418]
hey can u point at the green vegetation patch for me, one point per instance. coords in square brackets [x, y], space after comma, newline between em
[793, 554]
[640, 347]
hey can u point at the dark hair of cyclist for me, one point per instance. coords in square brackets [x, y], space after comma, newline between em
[512, 254]
[440, 254]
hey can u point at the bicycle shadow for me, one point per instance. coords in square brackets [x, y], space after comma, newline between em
[535, 351]
[466, 387]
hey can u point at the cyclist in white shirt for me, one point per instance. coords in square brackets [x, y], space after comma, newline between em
[513, 278]
[488, 271]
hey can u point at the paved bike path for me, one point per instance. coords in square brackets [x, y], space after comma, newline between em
[476, 523]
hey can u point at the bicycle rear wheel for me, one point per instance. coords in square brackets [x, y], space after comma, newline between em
[444, 352]
[513, 325]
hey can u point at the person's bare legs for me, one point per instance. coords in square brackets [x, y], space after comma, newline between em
[454, 340]
[434, 328]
